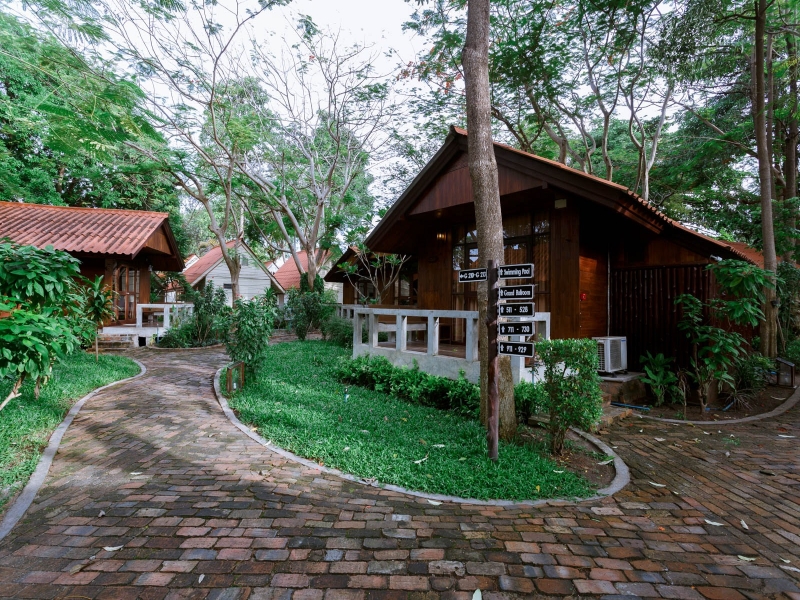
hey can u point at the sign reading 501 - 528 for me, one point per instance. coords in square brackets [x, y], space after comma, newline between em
[522, 309]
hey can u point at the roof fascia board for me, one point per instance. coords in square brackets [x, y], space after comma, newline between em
[594, 191]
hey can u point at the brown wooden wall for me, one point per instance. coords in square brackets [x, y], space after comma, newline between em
[435, 273]
[644, 310]
[348, 293]
[565, 272]
[594, 284]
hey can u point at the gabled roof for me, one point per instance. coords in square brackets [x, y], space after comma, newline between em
[288, 275]
[397, 228]
[206, 263]
[92, 231]
[199, 268]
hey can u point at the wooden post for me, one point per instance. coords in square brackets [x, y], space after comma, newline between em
[492, 434]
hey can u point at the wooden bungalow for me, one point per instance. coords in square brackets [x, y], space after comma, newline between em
[607, 263]
[122, 246]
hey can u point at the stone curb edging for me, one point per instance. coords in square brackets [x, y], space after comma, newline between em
[621, 479]
[788, 404]
[185, 349]
[20, 506]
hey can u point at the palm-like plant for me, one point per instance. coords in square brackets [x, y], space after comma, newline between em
[99, 306]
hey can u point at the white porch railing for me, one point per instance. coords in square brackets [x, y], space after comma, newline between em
[167, 311]
[398, 323]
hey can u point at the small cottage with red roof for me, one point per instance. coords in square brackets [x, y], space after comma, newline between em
[255, 277]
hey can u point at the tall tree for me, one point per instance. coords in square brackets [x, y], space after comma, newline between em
[496, 376]
[64, 124]
[324, 115]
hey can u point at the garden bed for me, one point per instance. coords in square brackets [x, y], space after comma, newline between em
[297, 403]
[766, 401]
[27, 423]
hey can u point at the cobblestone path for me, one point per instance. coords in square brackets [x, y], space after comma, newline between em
[201, 511]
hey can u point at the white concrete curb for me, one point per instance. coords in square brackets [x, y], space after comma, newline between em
[20, 506]
[621, 479]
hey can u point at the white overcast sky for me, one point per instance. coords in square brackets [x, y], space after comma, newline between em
[375, 22]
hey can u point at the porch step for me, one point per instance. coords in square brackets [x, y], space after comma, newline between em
[625, 389]
[611, 414]
[107, 341]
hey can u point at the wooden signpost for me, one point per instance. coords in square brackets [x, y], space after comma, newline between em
[495, 311]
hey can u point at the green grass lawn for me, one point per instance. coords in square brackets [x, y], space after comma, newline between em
[26, 423]
[297, 403]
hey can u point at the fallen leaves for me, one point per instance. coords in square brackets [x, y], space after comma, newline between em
[747, 558]
[654, 484]
[434, 502]
[744, 524]
[714, 523]
[112, 548]
[421, 460]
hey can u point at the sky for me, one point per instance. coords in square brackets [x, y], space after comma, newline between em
[377, 22]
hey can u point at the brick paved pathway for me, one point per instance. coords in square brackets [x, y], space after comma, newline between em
[203, 512]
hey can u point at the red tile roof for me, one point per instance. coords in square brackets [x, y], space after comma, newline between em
[753, 255]
[288, 275]
[80, 230]
[204, 263]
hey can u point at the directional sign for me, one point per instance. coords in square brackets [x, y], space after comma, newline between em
[515, 348]
[523, 271]
[516, 292]
[468, 275]
[523, 309]
[515, 328]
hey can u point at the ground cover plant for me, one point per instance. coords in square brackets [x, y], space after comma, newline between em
[27, 422]
[298, 404]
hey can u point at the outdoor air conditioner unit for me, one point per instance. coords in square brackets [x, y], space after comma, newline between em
[612, 353]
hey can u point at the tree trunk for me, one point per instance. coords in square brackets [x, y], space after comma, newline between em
[96, 347]
[486, 192]
[769, 329]
[790, 153]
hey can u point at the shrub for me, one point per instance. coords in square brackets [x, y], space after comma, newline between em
[339, 331]
[751, 374]
[412, 385]
[308, 308]
[714, 349]
[42, 313]
[208, 323]
[178, 336]
[251, 327]
[529, 399]
[210, 317]
[572, 384]
[657, 375]
[792, 352]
